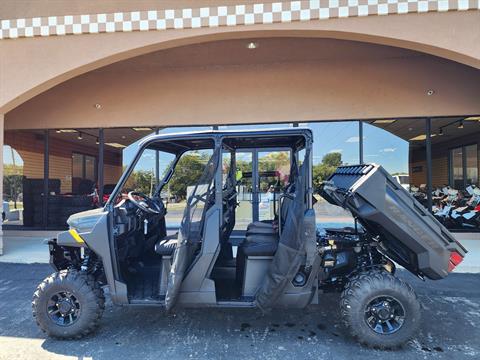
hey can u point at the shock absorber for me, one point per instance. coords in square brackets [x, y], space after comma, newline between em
[85, 263]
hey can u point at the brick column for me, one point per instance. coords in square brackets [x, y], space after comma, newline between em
[2, 118]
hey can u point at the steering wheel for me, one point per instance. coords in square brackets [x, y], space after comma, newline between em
[144, 203]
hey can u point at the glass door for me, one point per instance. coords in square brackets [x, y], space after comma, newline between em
[244, 210]
[273, 176]
[261, 178]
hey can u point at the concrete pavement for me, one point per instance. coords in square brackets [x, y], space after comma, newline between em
[451, 314]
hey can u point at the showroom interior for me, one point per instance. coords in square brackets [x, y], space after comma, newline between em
[80, 167]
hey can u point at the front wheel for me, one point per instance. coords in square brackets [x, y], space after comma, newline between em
[68, 304]
[380, 310]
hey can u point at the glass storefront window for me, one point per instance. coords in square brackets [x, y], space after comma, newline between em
[77, 165]
[457, 168]
[335, 144]
[90, 168]
[387, 149]
[23, 183]
[471, 161]
[464, 166]
[84, 173]
[12, 186]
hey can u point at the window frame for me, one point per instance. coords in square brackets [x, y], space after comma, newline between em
[463, 147]
[84, 165]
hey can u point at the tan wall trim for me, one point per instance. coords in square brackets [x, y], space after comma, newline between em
[225, 15]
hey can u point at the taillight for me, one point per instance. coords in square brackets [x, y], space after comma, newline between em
[455, 259]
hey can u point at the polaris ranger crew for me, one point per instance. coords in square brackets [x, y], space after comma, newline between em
[226, 251]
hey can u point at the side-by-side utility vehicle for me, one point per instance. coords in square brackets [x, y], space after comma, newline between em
[245, 241]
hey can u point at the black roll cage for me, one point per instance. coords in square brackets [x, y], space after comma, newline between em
[218, 139]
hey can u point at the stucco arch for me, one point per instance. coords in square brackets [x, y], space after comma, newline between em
[54, 60]
[286, 79]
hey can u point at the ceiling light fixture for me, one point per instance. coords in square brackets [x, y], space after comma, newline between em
[97, 141]
[440, 131]
[59, 131]
[252, 45]
[460, 124]
[98, 106]
[421, 137]
[142, 129]
[384, 121]
[472, 118]
[418, 138]
[80, 136]
[115, 145]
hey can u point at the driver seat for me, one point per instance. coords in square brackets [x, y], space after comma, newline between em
[166, 246]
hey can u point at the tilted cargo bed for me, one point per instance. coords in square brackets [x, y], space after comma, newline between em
[408, 233]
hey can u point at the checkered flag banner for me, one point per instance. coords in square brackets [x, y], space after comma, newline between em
[232, 15]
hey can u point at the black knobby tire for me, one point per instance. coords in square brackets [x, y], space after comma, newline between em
[89, 300]
[365, 289]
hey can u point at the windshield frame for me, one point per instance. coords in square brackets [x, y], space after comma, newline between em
[146, 144]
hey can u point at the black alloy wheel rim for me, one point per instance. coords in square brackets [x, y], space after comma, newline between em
[385, 315]
[63, 308]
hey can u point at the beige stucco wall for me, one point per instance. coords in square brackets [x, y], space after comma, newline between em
[330, 89]
[31, 66]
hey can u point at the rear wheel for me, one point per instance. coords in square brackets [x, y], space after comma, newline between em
[380, 310]
[68, 304]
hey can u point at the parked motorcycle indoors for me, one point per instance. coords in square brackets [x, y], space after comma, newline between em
[455, 209]
[468, 216]
[446, 200]
[419, 193]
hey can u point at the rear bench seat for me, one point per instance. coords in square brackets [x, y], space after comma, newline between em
[262, 236]
[260, 245]
[271, 226]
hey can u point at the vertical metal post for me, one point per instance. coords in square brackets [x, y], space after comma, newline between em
[360, 141]
[2, 120]
[310, 174]
[46, 166]
[428, 154]
[219, 177]
[157, 162]
[255, 186]
[464, 168]
[101, 160]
